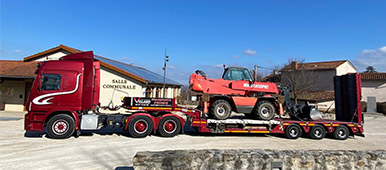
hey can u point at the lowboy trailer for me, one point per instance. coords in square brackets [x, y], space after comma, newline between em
[64, 100]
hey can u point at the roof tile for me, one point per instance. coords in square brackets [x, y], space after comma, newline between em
[17, 69]
[327, 65]
[373, 76]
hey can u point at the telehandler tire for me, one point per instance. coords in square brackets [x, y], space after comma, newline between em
[264, 110]
[221, 109]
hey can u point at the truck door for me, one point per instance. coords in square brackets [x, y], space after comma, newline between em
[72, 90]
[49, 85]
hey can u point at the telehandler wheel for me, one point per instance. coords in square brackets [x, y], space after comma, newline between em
[341, 132]
[60, 126]
[317, 132]
[264, 110]
[169, 126]
[221, 109]
[140, 126]
[293, 131]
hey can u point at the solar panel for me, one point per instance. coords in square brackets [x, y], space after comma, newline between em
[150, 76]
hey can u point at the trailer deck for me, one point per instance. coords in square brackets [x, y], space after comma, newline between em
[317, 129]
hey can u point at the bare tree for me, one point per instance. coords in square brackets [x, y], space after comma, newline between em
[259, 73]
[300, 78]
[185, 95]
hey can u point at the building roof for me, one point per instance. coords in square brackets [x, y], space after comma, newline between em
[17, 69]
[272, 78]
[327, 65]
[373, 76]
[51, 51]
[138, 73]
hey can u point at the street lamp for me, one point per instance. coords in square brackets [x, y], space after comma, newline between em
[164, 68]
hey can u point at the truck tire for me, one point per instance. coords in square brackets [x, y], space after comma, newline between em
[341, 132]
[293, 131]
[60, 126]
[140, 126]
[221, 109]
[169, 126]
[317, 132]
[264, 110]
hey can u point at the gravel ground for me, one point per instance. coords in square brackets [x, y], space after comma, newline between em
[115, 151]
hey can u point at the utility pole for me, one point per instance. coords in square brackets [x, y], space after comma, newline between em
[164, 68]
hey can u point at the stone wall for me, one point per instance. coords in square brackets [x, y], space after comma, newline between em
[260, 159]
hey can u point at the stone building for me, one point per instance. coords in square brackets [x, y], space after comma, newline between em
[374, 85]
[118, 79]
[320, 90]
[321, 73]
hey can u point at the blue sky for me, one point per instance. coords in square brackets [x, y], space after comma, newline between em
[200, 34]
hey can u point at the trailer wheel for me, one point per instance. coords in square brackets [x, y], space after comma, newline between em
[341, 132]
[60, 126]
[140, 126]
[169, 126]
[317, 132]
[293, 131]
[264, 110]
[221, 109]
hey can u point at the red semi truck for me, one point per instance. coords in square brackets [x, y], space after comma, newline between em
[65, 99]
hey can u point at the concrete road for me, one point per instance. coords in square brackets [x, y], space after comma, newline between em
[114, 151]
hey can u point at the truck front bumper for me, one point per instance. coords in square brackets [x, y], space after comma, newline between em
[34, 122]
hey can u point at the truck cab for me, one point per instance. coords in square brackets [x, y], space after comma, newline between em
[68, 86]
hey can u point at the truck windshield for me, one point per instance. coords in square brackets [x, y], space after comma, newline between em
[237, 74]
[50, 82]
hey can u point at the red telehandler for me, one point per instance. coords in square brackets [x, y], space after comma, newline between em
[236, 91]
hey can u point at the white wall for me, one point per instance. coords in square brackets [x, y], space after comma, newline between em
[54, 56]
[374, 88]
[124, 88]
[345, 68]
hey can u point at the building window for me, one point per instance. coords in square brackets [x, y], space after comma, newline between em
[50, 82]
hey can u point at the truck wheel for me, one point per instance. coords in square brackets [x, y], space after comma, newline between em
[293, 131]
[60, 126]
[221, 109]
[341, 132]
[169, 126]
[140, 126]
[264, 110]
[317, 132]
